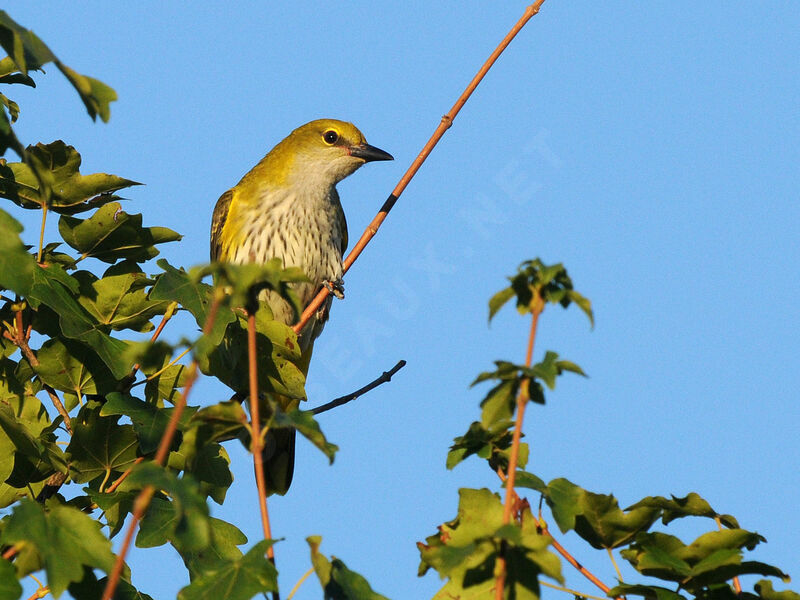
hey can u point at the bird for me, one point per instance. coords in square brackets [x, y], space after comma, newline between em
[287, 206]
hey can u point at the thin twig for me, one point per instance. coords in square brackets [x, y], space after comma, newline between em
[385, 377]
[118, 481]
[300, 581]
[20, 339]
[142, 501]
[168, 314]
[570, 591]
[445, 124]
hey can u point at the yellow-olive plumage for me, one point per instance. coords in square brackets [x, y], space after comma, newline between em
[287, 206]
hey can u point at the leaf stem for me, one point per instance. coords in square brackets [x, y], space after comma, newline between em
[616, 567]
[168, 314]
[300, 581]
[570, 591]
[41, 233]
[445, 124]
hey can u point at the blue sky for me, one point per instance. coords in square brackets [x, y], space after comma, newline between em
[653, 148]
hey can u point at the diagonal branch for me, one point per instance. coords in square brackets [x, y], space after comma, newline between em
[385, 377]
[444, 125]
[142, 501]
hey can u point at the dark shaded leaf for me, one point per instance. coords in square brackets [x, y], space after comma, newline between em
[691, 505]
[337, 581]
[99, 445]
[597, 518]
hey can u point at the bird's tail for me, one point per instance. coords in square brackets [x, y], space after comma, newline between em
[278, 453]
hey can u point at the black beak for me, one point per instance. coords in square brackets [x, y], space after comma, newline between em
[369, 153]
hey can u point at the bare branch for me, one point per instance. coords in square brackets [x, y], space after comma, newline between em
[385, 377]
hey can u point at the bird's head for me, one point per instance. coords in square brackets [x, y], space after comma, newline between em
[324, 151]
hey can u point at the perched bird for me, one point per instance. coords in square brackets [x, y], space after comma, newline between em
[287, 206]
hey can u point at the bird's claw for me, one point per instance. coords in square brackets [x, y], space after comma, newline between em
[335, 287]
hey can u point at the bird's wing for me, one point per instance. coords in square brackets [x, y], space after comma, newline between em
[218, 223]
[344, 231]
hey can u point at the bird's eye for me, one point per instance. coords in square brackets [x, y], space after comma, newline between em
[330, 137]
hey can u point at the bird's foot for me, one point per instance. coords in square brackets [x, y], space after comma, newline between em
[335, 287]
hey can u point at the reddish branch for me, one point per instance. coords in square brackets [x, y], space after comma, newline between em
[541, 526]
[256, 441]
[511, 496]
[444, 125]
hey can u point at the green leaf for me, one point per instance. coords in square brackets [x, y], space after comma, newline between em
[28, 53]
[193, 295]
[189, 529]
[72, 367]
[16, 265]
[337, 581]
[239, 579]
[67, 191]
[99, 445]
[149, 421]
[304, 422]
[764, 590]
[119, 299]
[23, 47]
[497, 301]
[10, 589]
[691, 505]
[524, 479]
[276, 345]
[112, 234]
[651, 592]
[115, 506]
[96, 95]
[220, 552]
[597, 518]
[466, 549]
[535, 284]
[51, 287]
[158, 524]
[64, 537]
[712, 559]
[492, 444]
